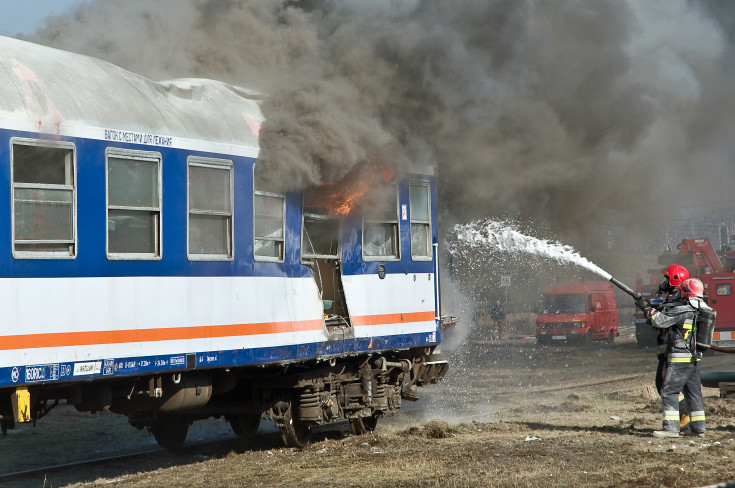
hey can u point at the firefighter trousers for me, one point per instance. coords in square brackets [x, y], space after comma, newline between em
[683, 404]
[682, 378]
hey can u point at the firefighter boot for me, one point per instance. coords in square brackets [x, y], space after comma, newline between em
[683, 413]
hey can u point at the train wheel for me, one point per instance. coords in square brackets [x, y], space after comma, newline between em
[363, 425]
[294, 432]
[170, 430]
[244, 424]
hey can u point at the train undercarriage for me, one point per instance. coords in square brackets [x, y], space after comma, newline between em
[295, 396]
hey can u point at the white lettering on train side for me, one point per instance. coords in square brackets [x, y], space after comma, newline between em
[138, 138]
[42, 372]
[35, 373]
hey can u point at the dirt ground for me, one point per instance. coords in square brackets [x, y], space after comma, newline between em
[508, 414]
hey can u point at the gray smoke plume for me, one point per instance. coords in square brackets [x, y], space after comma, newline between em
[566, 112]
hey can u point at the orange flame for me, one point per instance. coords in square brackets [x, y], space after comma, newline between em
[343, 196]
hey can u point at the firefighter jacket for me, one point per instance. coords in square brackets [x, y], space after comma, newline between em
[662, 337]
[678, 317]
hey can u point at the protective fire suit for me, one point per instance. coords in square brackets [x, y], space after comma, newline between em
[682, 369]
[661, 343]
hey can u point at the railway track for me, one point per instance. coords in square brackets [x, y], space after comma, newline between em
[116, 465]
[577, 386]
[43, 470]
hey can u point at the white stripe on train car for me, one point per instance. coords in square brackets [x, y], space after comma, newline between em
[91, 318]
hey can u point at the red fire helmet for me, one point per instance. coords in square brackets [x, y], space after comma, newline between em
[692, 288]
[676, 273]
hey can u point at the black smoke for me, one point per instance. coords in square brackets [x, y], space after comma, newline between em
[568, 113]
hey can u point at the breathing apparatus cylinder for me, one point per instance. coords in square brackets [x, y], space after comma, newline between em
[705, 326]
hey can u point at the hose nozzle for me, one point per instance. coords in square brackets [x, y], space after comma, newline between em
[623, 287]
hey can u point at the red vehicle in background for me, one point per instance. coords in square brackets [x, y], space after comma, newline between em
[715, 271]
[580, 312]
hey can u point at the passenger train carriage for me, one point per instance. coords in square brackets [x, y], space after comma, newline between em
[142, 272]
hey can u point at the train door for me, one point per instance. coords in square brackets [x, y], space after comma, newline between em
[321, 250]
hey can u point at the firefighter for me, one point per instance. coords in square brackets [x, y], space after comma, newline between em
[669, 292]
[682, 356]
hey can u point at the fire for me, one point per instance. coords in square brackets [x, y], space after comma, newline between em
[343, 196]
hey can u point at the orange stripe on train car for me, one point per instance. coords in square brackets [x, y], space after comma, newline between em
[61, 339]
[92, 338]
[715, 336]
[393, 318]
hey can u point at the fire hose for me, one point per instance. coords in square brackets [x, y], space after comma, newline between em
[625, 288]
[729, 350]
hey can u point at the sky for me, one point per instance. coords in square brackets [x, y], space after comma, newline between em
[25, 16]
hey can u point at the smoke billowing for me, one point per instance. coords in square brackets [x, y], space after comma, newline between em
[565, 112]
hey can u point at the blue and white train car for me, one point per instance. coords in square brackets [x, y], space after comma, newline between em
[141, 271]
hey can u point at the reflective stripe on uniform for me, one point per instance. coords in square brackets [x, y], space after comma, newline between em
[681, 396]
[680, 357]
[687, 328]
[671, 415]
[697, 416]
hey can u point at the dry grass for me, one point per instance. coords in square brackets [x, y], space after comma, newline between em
[575, 443]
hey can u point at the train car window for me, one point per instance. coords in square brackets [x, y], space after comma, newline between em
[44, 199]
[133, 204]
[320, 237]
[268, 226]
[420, 209]
[210, 209]
[380, 234]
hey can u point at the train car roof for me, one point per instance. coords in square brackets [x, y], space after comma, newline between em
[57, 92]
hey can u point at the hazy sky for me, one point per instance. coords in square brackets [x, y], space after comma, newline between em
[25, 16]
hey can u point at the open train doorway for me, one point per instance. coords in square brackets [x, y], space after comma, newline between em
[321, 250]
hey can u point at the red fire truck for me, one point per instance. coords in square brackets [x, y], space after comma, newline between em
[581, 312]
[717, 273]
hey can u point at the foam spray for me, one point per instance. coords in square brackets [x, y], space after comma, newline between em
[501, 236]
